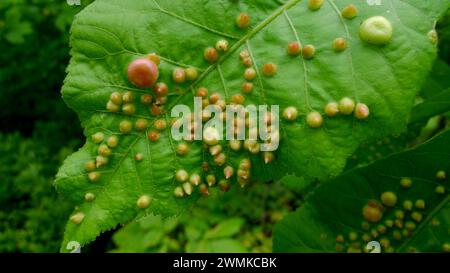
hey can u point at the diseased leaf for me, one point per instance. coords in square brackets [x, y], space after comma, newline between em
[109, 34]
[336, 208]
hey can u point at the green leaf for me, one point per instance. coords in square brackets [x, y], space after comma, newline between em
[226, 228]
[109, 34]
[435, 105]
[437, 81]
[335, 208]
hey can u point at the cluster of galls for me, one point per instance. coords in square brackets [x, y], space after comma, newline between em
[212, 54]
[376, 30]
[268, 69]
[401, 220]
[188, 182]
[93, 167]
[104, 151]
[345, 106]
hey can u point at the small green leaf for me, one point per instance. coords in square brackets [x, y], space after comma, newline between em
[335, 208]
[226, 228]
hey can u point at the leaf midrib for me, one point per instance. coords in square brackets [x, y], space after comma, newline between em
[237, 45]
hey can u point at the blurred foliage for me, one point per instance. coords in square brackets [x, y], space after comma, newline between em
[32, 215]
[34, 52]
[240, 220]
[443, 28]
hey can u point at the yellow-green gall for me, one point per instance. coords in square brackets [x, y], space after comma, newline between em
[154, 58]
[314, 120]
[125, 126]
[346, 106]
[220, 159]
[349, 12]
[143, 202]
[417, 216]
[332, 109]
[94, 176]
[222, 45]
[104, 150]
[187, 188]
[410, 225]
[195, 179]
[90, 166]
[112, 141]
[211, 136]
[98, 137]
[441, 175]
[111, 107]
[406, 183]
[308, 52]
[315, 4]
[181, 175]
[138, 157]
[268, 157]
[128, 97]
[178, 192]
[389, 223]
[101, 161]
[290, 113]
[446, 247]
[440, 190]
[420, 204]
[215, 150]
[182, 149]
[141, 124]
[89, 197]
[397, 235]
[211, 180]
[191, 73]
[129, 109]
[408, 205]
[77, 218]
[339, 44]
[160, 124]
[235, 145]
[116, 98]
[389, 199]
[433, 36]
[249, 74]
[376, 30]
[353, 236]
[400, 215]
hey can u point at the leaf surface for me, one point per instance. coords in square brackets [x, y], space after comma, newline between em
[335, 208]
[109, 34]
